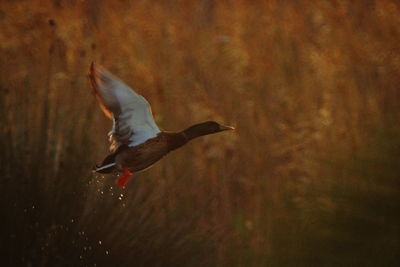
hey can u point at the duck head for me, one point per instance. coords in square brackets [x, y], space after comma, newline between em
[205, 128]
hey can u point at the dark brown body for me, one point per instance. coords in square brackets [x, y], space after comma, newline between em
[142, 156]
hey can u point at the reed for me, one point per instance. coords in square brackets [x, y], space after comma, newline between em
[309, 179]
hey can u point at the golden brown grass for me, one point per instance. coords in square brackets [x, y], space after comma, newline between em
[310, 178]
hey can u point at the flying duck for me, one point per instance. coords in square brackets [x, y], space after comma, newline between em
[136, 141]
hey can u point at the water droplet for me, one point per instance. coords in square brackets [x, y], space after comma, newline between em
[107, 252]
[99, 242]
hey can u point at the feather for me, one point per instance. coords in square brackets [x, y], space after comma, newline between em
[133, 122]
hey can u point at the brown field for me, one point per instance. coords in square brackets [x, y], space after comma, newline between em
[311, 176]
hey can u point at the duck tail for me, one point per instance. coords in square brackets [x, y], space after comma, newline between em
[106, 168]
[108, 165]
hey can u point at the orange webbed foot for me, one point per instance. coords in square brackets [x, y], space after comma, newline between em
[123, 179]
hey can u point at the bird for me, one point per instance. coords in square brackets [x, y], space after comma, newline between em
[136, 142]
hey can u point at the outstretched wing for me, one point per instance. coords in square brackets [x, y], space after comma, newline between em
[131, 113]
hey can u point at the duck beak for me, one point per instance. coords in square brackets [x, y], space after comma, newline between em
[225, 128]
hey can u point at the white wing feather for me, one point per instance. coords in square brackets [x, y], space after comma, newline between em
[131, 113]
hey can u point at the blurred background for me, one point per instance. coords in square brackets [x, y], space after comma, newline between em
[309, 178]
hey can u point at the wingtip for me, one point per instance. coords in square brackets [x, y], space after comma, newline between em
[94, 73]
[97, 69]
[91, 76]
[94, 79]
[92, 68]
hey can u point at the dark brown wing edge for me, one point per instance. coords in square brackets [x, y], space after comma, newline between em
[94, 82]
